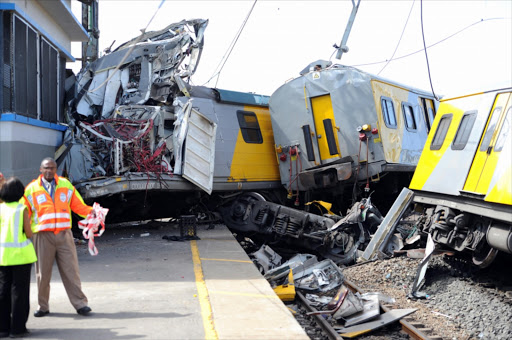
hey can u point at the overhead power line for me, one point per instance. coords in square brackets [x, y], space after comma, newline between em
[399, 40]
[425, 48]
[230, 48]
[432, 45]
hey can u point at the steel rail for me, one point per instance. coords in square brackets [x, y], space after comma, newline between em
[326, 327]
[414, 329]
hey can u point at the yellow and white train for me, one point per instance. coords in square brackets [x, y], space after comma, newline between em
[463, 182]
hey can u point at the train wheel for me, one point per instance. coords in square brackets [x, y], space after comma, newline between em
[485, 257]
[239, 210]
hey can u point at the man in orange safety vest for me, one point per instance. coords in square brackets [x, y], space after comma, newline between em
[50, 200]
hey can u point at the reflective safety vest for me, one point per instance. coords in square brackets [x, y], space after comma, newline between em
[49, 214]
[15, 247]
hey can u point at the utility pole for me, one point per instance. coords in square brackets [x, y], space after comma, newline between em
[343, 48]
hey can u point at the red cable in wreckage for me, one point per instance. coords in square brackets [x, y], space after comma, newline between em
[136, 132]
[91, 224]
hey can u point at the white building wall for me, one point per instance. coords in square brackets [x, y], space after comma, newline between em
[41, 17]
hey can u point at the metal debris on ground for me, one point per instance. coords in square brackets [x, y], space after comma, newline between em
[265, 258]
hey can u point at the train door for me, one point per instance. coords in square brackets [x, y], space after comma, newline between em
[194, 147]
[325, 126]
[496, 133]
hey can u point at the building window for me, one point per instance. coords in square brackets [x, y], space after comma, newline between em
[464, 130]
[388, 112]
[504, 131]
[249, 126]
[410, 122]
[32, 72]
[442, 130]
[49, 83]
[25, 69]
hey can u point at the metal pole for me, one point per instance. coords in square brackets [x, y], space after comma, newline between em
[343, 47]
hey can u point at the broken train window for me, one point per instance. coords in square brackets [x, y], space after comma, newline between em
[249, 126]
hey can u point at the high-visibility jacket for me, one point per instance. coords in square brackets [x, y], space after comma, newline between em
[15, 247]
[53, 215]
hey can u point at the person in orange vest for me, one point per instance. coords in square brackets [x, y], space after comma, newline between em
[16, 257]
[50, 199]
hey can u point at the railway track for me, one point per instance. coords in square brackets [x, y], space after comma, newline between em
[415, 329]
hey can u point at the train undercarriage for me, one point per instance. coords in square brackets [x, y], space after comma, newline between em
[331, 236]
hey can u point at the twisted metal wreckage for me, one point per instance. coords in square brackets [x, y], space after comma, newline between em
[129, 121]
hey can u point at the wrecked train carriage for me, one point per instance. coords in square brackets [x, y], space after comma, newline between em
[461, 191]
[336, 125]
[198, 152]
[148, 70]
[144, 143]
[335, 128]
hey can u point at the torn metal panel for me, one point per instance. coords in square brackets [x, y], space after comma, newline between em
[299, 261]
[265, 258]
[419, 280]
[332, 306]
[77, 163]
[144, 68]
[320, 301]
[381, 321]
[387, 227]
[323, 276]
[366, 309]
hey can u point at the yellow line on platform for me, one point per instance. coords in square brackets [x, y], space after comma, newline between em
[244, 294]
[226, 260]
[202, 293]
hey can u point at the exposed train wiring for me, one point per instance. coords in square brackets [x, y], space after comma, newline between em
[225, 58]
[425, 49]
[143, 31]
[399, 40]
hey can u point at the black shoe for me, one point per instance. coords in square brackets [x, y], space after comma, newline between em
[39, 313]
[20, 335]
[84, 310]
[4, 334]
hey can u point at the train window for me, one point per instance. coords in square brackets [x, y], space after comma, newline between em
[249, 126]
[442, 129]
[388, 112]
[410, 122]
[465, 127]
[428, 112]
[490, 129]
[504, 131]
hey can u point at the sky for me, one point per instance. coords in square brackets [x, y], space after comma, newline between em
[470, 40]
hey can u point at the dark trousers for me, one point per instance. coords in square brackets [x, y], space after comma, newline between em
[14, 298]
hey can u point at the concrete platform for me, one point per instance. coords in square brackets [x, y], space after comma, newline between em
[141, 286]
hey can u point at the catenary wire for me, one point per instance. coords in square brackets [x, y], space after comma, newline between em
[399, 40]
[231, 47]
[425, 48]
[432, 45]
